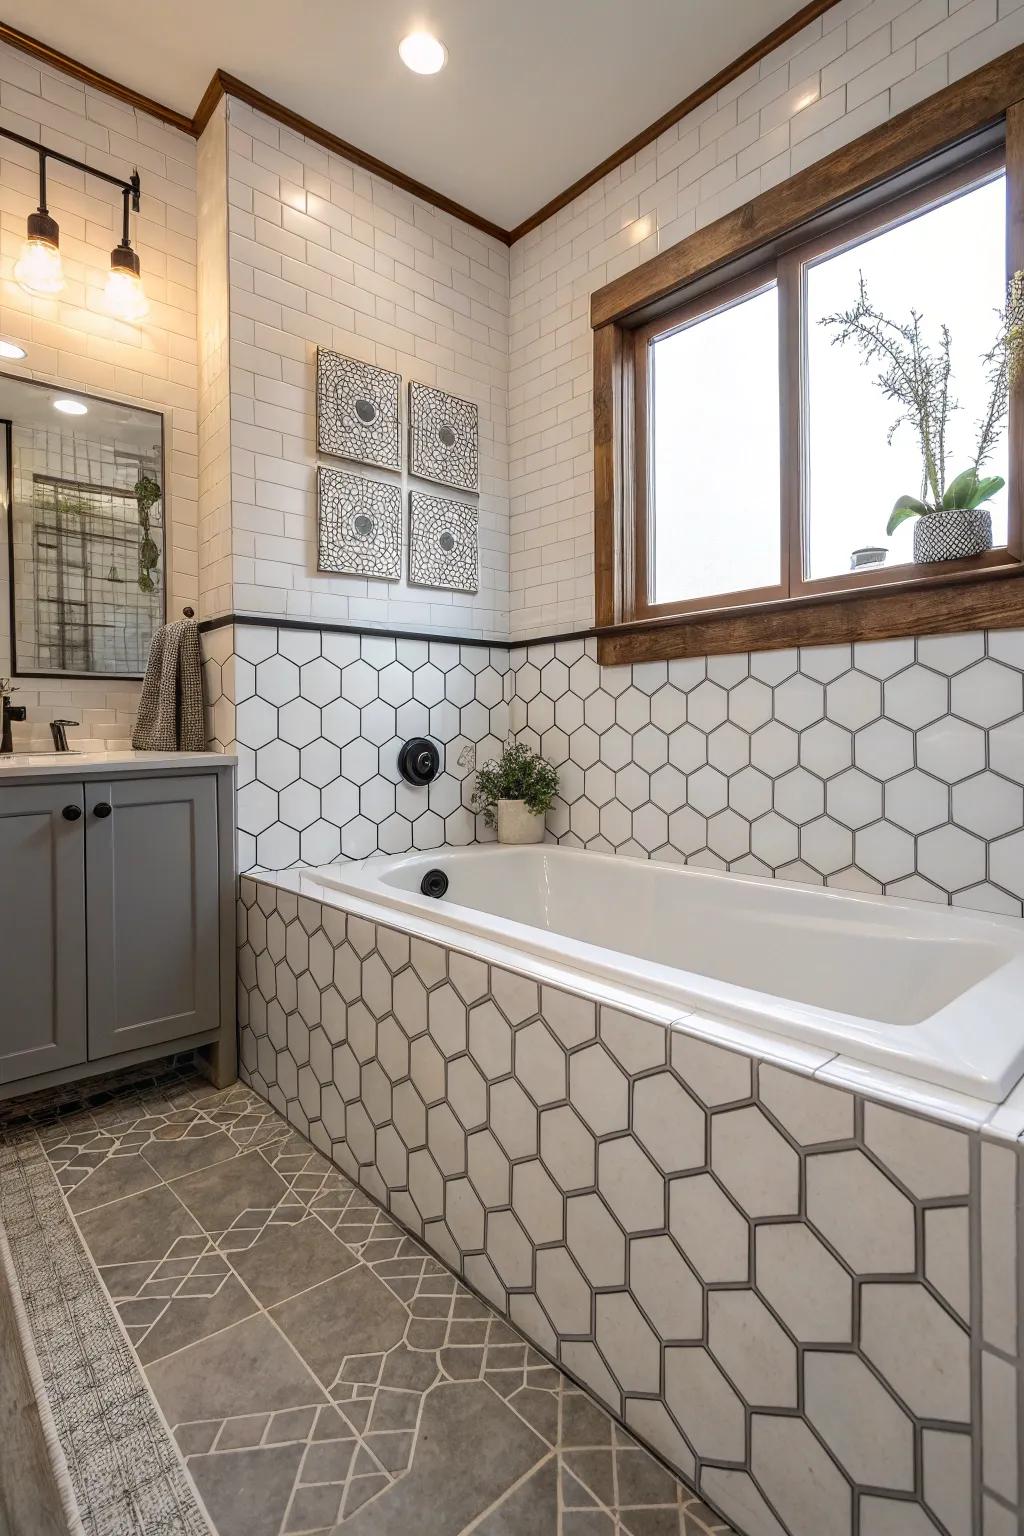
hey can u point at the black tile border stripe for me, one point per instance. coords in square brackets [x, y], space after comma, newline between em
[439, 637]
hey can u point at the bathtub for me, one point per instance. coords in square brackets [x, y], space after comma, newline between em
[932, 993]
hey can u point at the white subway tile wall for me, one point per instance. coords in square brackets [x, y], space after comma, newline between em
[72, 341]
[323, 254]
[214, 372]
[853, 68]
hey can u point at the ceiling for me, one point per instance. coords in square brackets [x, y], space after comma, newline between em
[536, 92]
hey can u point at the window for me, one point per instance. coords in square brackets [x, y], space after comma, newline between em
[716, 513]
[697, 394]
[853, 472]
[747, 457]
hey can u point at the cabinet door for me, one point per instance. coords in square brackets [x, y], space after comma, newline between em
[153, 921]
[42, 929]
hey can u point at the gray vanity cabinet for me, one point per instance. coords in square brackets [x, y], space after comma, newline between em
[42, 923]
[152, 893]
[117, 894]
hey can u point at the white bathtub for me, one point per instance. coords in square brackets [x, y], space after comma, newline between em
[931, 993]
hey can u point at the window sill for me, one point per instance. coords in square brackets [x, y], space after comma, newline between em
[985, 598]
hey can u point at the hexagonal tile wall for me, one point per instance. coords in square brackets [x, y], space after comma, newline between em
[768, 1279]
[893, 766]
[317, 719]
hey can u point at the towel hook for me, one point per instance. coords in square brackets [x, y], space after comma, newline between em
[189, 613]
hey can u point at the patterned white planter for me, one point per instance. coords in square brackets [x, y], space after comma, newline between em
[952, 535]
[518, 824]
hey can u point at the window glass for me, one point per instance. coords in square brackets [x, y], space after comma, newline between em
[948, 264]
[714, 458]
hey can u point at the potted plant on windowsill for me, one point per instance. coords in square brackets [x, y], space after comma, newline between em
[953, 521]
[514, 792]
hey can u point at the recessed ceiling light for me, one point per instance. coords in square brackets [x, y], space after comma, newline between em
[12, 350]
[70, 407]
[423, 53]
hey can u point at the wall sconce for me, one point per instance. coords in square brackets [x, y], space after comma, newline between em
[38, 270]
[125, 295]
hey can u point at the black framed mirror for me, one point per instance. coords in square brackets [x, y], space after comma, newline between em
[84, 504]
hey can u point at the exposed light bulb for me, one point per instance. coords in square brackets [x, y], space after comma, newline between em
[125, 296]
[423, 53]
[39, 269]
[10, 349]
[68, 407]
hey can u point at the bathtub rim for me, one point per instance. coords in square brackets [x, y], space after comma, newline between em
[946, 1048]
[1003, 1120]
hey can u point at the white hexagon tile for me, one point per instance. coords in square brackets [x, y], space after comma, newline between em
[775, 1283]
[893, 766]
[317, 719]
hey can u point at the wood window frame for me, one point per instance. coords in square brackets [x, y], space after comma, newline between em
[888, 174]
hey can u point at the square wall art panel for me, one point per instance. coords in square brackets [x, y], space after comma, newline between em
[443, 546]
[444, 438]
[359, 526]
[357, 410]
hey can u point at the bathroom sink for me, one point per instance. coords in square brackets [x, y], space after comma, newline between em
[31, 757]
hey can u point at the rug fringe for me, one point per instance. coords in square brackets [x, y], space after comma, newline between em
[54, 1450]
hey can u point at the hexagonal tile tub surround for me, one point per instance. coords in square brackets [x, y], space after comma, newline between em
[894, 766]
[803, 1300]
[317, 718]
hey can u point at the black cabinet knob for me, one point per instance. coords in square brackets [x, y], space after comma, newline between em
[103, 809]
[71, 812]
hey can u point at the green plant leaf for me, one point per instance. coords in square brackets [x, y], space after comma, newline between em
[987, 489]
[907, 506]
[960, 492]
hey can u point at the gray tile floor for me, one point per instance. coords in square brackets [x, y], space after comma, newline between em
[316, 1366]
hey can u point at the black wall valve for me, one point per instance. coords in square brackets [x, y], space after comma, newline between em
[419, 761]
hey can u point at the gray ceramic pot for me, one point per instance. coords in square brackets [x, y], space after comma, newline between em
[952, 535]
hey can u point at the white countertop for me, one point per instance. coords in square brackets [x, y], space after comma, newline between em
[68, 764]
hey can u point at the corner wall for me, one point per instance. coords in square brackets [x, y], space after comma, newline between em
[71, 340]
[861, 63]
[324, 254]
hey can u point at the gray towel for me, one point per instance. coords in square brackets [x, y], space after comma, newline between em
[171, 716]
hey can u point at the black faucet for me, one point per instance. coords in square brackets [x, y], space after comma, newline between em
[10, 712]
[58, 730]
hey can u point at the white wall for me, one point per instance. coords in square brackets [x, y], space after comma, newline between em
[71, 340]
[214, 405]
[859, 64]
[322, 253]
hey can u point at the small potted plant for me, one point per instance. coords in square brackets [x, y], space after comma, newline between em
[953, 522]
[514, 792]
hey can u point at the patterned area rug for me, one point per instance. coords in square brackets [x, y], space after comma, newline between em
[232, 1338]
[121, 1473]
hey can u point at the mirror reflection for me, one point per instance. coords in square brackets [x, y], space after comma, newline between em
[83, 491]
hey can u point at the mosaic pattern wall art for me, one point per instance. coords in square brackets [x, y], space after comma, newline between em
[444, 438]
[359, 526]
[357, 410]
[443, 543]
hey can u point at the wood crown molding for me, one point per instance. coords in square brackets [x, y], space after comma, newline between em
[88, 76]
[939, 122]
[223, 84]
[760, 50]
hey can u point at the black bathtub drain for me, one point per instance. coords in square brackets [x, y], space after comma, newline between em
[434, 883]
